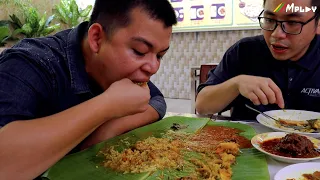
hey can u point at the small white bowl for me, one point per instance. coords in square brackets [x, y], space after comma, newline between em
[295, 171]
[258, 139]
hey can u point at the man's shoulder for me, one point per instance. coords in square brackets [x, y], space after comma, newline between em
[317, 37]
[44, 55]
[42, 51]
[249, 45]
[43, 47]
[249, 41]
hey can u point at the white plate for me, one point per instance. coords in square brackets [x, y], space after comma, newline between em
[295, 171]
[295, 115]
[258, 139]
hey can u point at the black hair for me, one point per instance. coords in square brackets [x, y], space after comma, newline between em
[113, 14]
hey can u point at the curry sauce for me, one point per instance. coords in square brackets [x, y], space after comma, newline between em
[215, 134]
[292, 145]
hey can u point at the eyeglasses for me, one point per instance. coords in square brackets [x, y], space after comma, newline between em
[289, 27]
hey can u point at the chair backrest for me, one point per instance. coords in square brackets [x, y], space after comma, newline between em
[204, 70]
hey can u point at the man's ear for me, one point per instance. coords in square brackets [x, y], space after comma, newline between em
[96, 37]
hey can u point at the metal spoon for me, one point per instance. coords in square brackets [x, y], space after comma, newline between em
[262, 113]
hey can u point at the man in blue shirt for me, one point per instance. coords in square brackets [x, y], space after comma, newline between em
[81, 86]
[280, 69]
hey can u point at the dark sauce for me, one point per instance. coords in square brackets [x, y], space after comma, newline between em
[271, 146]
[215, 134]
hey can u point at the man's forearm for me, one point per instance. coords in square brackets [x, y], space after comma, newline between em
[28, 148]
[213, 99]
[119, 126]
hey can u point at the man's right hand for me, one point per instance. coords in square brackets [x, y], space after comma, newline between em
[128, 98]
[259, 90]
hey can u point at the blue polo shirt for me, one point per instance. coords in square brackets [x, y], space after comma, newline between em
[299, 81]
[43, 76]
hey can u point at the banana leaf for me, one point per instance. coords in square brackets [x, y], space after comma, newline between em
[251, 164]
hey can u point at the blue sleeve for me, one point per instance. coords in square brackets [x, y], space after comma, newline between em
[21, 91]
[157, 100]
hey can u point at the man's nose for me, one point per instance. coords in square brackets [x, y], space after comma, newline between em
[278, 32]
[152, 65]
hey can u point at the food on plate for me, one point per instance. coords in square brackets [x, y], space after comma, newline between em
[292, 145]
[211, 152]
[305, 126]
[312, 176]
[292, 122]
[314, 123]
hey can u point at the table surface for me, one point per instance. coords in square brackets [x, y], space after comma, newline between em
[273, 165]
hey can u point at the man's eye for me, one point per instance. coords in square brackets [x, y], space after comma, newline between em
[269, 20]
[292, 23]
[159, 57]
[138, 53]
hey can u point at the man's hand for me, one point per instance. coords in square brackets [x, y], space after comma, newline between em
[128, 97]
[259, 90]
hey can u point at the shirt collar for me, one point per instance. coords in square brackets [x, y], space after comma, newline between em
[76, 63]
[309, 60]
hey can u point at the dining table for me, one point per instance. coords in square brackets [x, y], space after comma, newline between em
[273, 165]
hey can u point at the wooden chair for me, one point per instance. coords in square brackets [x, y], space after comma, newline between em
[204, 70]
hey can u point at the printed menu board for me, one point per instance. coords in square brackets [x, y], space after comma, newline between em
[209, 15]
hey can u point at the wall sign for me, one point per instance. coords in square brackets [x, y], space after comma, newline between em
[214, 15]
